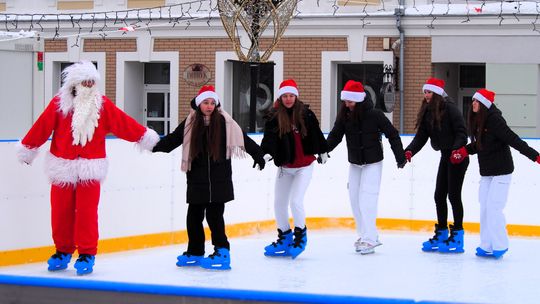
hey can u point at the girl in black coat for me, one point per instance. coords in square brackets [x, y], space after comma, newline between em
[440, 121]
[209, 137]
[491, 140]
[362, 126]
[291, 136]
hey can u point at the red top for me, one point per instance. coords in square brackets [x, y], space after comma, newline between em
[300, 159]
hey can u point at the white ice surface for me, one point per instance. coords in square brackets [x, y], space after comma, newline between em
[398, 269]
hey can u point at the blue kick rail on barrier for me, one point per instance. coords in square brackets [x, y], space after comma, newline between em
[200, 292]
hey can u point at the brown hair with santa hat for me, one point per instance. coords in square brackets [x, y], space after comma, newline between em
[476, 121]
[353, 91]
[287, 118]
[435, 105]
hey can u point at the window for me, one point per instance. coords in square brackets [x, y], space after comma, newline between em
[472, 76]
[248, 78]
[64, 5]
[370, 75]
[157, 96]
[144, 3]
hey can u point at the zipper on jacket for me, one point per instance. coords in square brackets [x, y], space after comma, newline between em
[209, 179]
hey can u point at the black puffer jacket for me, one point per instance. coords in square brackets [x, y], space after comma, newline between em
[363, 137]
[450, 136]
[495, 157]
[208, 181]
[282, 148]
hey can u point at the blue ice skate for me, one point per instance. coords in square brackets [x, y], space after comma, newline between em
[496, 254]
[85, 264]
[454, 243]
[187, 259]
[220, 260]
[299, 243]
[281, 246]
[441, 235]
[59, 261]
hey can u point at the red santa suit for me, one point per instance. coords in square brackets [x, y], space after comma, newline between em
[79, 119]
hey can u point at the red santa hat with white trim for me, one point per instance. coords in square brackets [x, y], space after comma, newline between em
[206, 92]
[288, 86]
[485, 97]
[435, 85]
[353, 91]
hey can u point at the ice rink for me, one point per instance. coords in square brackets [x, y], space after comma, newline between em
[398, 270]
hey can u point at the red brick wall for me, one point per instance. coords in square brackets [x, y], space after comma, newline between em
[59, 45]
[110, 47]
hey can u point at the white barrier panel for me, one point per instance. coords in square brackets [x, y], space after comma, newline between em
[144, 193]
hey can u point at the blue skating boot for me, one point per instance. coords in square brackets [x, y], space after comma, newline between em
[85, 264]
[187, 259]
[299, 243]
[220, 259]
[454, 244]
[441, 235]
[281, 246]
[59, 261]
[499, 253]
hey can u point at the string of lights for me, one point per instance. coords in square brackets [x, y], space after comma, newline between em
[103, 23]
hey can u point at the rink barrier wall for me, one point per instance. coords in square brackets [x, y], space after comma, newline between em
[198, 292]
[143, 199]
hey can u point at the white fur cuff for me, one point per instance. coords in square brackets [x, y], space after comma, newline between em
[24, 154]
[148, 141]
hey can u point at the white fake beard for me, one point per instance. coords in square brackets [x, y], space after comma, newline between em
[86, 107]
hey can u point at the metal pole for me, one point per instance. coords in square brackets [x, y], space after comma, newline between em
[399, 13]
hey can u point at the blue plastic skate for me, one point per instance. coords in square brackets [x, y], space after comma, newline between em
[59, 261]
[85, 264]
[454, 244]
[187, 259]
[299, 243]
[496, 254]
[441, 235]
[220, 260]
[281, 246]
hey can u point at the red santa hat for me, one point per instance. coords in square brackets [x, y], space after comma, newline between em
[353, 91]
[485, 97]
[435, 85]
[206, 92]
[288, 86]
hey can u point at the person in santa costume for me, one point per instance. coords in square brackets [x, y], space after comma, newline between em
[440, 121]
[79, 118]
[491, 139]
[209, 137]
[362, 126]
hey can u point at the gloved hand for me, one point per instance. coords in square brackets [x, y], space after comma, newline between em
[402, 165]
[259, 162]
[538, 159]
[323, 158]
[408, 155]
[458, 155]
[268, 157]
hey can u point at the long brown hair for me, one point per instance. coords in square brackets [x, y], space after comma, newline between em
[286, 118]
[436, 107]
[476, 123]
[213, 143]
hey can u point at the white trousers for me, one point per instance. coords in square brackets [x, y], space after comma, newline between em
[364, 185]
[290, 188]
[493, 194]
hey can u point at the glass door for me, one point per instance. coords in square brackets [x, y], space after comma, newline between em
[157, 110]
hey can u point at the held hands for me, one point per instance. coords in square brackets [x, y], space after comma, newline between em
[408, 155]
[458, 155]
[402, 165]
[323, 158]
[260, 162]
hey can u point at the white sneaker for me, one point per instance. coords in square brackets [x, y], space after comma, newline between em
[357, 244]
[367, 248]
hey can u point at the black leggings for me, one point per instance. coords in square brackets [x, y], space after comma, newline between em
[449, 183]
[195, 229]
